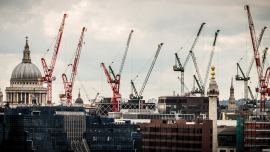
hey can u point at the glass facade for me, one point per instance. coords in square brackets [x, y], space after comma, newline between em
[103, 134]
[64, 129]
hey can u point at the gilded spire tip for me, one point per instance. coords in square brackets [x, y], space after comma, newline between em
[213, 73]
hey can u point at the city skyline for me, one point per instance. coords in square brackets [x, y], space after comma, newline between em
[173, 23]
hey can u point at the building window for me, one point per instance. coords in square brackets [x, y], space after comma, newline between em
[205, 107]
[198, 131]
[231, 150]
[168, 106]
[170, 100]
[161, 106]
[161, 100]
[206, 101]
[222, 150]
[173, 112]
[174, 106]
[194, 106]
[162, 112]
[194, 112]
[183, 101]
[183, 106]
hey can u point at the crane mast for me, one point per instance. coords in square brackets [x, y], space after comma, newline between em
[49, 71]
[264, 80]
[182, 68]
[259, 42]
[69, 85]
[124, 57]
[125, 54]
[263, 63]
[210, 60]
[184, 85]
[139, 95]
[246, 77]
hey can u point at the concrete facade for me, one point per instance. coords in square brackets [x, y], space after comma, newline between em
[227, 123]
[213, 93]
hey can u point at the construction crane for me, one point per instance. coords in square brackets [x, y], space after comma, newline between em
[115, 86]
[246, 77]
[138, 96]
[198, 84]
[210, 61]
[264, 80]
[124, 57]
[251, 95]
[48, 71]
[202, 85]
[184, 84]
[263, 63]
[86, 94]
[115, 82]
[178, 66]
[68, 86]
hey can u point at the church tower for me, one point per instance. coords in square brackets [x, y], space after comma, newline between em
[231, 102]
[26, 53]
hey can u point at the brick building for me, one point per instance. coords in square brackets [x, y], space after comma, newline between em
[176, 135]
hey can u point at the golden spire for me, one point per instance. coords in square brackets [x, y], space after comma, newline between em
[213, 73]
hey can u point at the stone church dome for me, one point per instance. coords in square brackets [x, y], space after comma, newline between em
[26, 70]
[79, 99]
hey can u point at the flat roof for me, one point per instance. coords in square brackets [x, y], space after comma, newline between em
[226, 130]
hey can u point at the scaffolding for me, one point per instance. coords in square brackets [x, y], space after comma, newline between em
[102, 109]
[239, 135]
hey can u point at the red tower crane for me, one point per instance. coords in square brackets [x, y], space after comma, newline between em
[115, 83]
[48, 71]
[115, 86]
[264, 80]
[69, 85]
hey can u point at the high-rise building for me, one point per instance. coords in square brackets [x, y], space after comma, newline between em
[231, 101]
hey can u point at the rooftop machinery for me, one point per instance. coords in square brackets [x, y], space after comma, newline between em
[264, 80]
[48, 71]
[246, 77]
[68, 86]
[138, 96]
[179, 67]
[115, 83]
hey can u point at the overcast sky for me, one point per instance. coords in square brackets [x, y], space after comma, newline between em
[172, 22]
